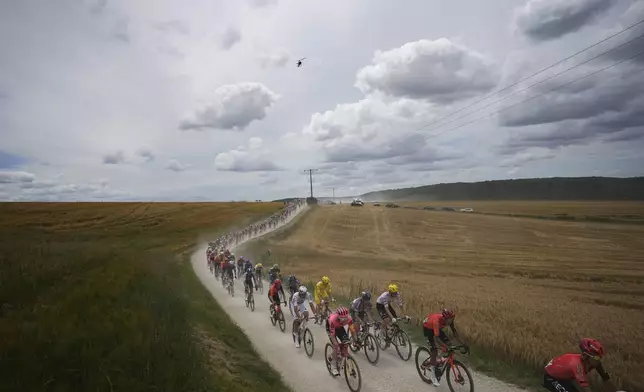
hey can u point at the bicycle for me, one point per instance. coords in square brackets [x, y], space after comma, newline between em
[347, 365]
[230, 286]
[368, 342]
[398, 337]
[250, 299]
[320, 318]
[277, 316]
[457, 368]
[260, 284]
[304, 331]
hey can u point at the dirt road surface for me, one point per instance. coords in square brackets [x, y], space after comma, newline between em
[305, 374]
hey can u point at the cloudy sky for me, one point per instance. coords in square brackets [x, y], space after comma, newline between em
[201, 99]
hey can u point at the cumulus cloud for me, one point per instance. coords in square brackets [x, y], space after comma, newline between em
[233, 106]
[114, 158]
[229, 38]
[278, 59]
[250, 158]
[542, 20]
[439, 71]
[374, 129]
[15, 177]
[175, 165]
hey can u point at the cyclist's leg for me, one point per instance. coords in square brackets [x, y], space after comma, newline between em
[383, 316]
[429, 336]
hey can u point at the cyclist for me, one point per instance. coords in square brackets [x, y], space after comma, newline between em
[322, 291]
[274, 273]
[229, 271]
[362, 308]
[259, 269]
[249, 279]
[240, 265]
[383, 305]
[335, 329]
[433, 326]
[248, 264]
[217, 263]
[293, 285]
[563, 372]
[301, 314]
[274, 294]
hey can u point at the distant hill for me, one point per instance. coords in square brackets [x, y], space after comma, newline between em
[556, 188]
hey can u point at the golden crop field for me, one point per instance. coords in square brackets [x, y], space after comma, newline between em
[102, 296]
[625, 211]
[524, 289]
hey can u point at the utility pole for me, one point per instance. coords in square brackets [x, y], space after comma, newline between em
[333, 193]
[311, 178]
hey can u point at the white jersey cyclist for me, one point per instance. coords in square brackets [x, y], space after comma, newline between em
[300, 299]
[386, 298]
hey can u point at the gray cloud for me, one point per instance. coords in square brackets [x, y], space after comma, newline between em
[607, 107]
[439, 71]
[146, 153]
[542, 20]
[173, 26]
[241, 161]
[15, 177]
[229, 38]
[114, 158]
[233, 106]
[175, 165]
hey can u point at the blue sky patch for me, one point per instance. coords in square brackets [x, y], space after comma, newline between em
[10, 161]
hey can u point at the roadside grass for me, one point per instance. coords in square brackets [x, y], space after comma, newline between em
[525, 290]
[102, 296]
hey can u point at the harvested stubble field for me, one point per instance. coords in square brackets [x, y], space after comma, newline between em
[598, 211]
[525, 289]
[102, 297]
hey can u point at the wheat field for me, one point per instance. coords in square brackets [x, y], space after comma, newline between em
[524, 289]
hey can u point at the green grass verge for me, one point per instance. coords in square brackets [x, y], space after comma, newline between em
[117, 307]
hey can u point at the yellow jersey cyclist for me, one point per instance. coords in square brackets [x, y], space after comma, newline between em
[322, 292]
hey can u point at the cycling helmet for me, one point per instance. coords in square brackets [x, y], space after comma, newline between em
[591, 347]
[277, 282]
[275, 266]
[342, 311]
[302, 290]
[326, 280]
[259, 265]
[448, 313]
[365, 295]
[393, 288]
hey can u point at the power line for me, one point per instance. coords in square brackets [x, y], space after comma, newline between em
[546, 92]
[526, 78]
[538, 83]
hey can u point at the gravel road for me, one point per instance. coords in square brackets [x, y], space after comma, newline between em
[304, 374]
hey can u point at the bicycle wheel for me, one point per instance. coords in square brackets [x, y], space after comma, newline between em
[371, 349]
[261, 288]
[280, 319]
[403, 345]
[380, 339]
[328, 357]
[309, 344]
[422, 356]
[459, 376]
[273, 320]
[352, 374]
[252, 304]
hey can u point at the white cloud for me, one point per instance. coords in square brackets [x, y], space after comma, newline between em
[13, 177]
[175, 165]
[146, 153]
[439, 71]
[233, 106]
[278, 59]
[250, 158]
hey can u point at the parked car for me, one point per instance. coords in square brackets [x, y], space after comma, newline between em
[467, 210]
[428, 208]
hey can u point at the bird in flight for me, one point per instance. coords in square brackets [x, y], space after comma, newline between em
[299, 62]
